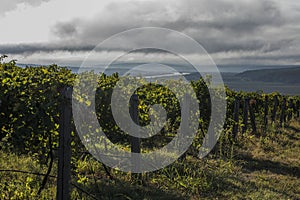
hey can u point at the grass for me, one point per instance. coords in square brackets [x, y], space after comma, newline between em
[260, 167]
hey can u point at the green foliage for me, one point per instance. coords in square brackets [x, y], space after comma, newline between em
[30, 105]
[30, 102]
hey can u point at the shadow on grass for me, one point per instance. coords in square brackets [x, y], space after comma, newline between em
[241, 187]
[253, 164]
[293, 128]
[116, 189]
[295, 135]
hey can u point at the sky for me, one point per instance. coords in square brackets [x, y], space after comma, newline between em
[252, 32]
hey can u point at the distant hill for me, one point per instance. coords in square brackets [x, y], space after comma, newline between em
[289, 75]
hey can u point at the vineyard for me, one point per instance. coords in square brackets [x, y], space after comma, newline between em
[256, 157]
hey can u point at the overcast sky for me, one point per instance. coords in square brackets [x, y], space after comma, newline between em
[232, 32]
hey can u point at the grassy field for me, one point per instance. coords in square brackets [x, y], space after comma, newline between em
[260, 167]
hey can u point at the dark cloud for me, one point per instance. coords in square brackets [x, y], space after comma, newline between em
[66, 30]
[234, 16]
[218, 25]
[8, 5]
[42, 47]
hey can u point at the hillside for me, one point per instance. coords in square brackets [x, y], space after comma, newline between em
[283, 75]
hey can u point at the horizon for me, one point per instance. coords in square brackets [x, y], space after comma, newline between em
[223, 68]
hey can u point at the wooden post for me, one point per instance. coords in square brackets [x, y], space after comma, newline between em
[291, 109]
[274, 109]
[236, 117]
[64, 152]
[283, 114]
[184, 126]
[135, 142]
[266, 113]
[245, 114]
[252, 117]
[297, 108]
